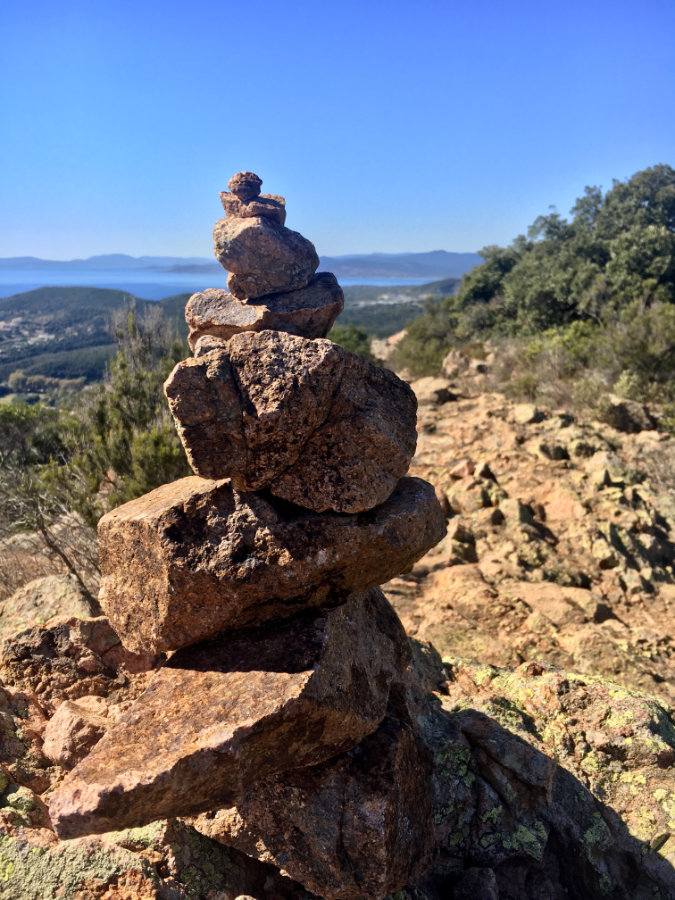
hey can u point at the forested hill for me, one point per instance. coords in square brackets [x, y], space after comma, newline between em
[64, 332]
[588, 301]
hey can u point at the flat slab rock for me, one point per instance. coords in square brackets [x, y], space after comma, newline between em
[356, 827]
[195, 558]
[220, 716]
[262, 256]
[311, 421]
[309, 312]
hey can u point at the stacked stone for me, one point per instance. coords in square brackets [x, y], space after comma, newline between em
[279, 723]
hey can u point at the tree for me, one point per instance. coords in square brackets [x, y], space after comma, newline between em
[354, 338]
[118, 443]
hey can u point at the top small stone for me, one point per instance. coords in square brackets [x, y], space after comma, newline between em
[245, 186]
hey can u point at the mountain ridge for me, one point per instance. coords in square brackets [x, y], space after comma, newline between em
[431, 264]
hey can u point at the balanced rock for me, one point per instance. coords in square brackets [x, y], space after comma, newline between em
[356, 827]
[263, 256]
[270, 206]
[195, 558]
[245, 186]
[313, 422]
[309, 312]
[220, 716]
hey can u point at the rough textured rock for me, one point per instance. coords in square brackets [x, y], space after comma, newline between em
[270, 206]
[313, 422]
[71, 733]
[41, 601]
[163, 861]
[627, 415]
[195, 558]
[73, 659]
[487, 730]
[358, 826]
[434, 391]
[219, 716]
[592, 824]
[573, 557]
[262, 256]
[309, 312]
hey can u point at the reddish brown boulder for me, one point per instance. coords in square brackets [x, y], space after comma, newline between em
[309, 312]
[222, 715]
[308, 419]
[356, 827]
[195, 558]
[71, 733]
[74, 658]
[262, 256]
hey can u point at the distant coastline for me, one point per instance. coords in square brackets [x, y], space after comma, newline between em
[155, 277]
[148, 284]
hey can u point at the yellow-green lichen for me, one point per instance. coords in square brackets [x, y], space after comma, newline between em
[598, 833]
[531, 841]
[492, 814]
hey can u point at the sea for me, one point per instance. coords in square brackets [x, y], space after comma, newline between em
[147, 285]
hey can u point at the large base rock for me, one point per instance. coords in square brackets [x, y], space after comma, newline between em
[356, 827]
[220, 716]
[308, 419]
[309, 312]
[262, 256]
[195, 558]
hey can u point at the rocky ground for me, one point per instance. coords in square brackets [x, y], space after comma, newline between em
[560, 545]
[545, 710]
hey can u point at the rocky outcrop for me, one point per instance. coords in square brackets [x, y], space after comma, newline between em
[567, 541]
[541, 782]
[196, 558]
[309, 420]
[73, 659]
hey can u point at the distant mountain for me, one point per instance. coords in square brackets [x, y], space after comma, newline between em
[436, 264]
[107, 261]
[433, 265]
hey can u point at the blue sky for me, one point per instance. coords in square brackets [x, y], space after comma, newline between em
[388, 126]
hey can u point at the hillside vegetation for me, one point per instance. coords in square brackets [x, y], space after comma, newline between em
[577, 308]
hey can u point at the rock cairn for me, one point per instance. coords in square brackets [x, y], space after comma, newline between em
[279, 723]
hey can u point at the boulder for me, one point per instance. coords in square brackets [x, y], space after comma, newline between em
[71, 733]
[195, 557]
[220, 716]
[263, 256]
[71, 659]
[309, 312]
[356, 827]
[626, 415]
[313, 422]
[41, 601]
[433, 391]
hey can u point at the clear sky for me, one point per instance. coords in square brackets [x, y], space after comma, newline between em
[402, 125]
